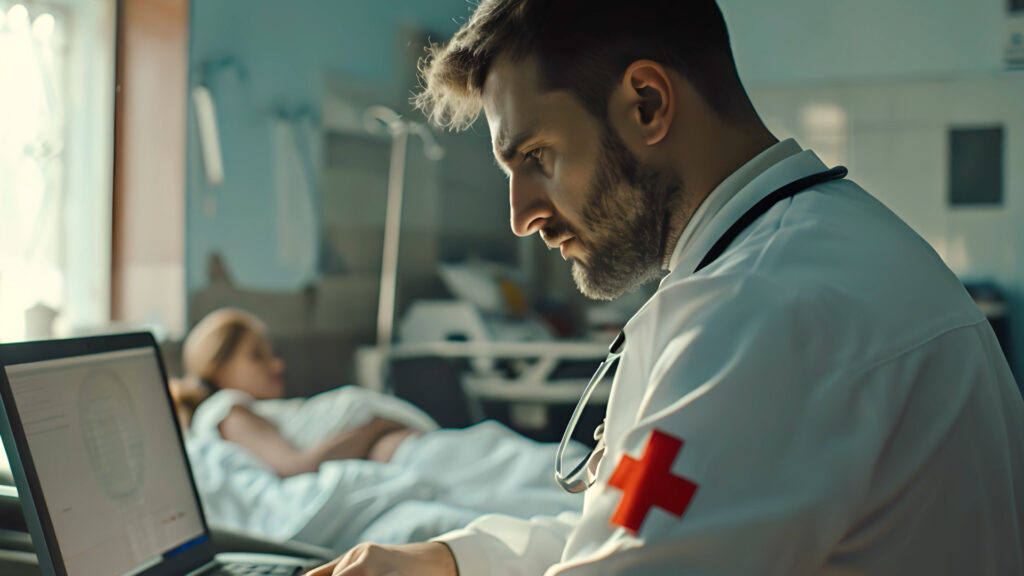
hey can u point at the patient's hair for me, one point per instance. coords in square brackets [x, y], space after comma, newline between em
[187, 393]
[211, 343]
[215, 339]
[583, 46]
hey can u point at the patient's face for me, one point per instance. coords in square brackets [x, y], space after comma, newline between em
[253, 369]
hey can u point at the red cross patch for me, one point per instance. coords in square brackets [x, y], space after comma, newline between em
[649, 482]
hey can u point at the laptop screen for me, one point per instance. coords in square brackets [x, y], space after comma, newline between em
[109, 461]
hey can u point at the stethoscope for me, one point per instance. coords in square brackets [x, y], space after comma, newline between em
[576, 480]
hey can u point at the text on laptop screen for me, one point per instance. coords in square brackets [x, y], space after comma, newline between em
[101, 434]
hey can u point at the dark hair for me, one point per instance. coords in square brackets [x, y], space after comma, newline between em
[582, 46]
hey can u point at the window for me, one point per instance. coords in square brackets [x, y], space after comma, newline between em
[976, 166]
[56, 109]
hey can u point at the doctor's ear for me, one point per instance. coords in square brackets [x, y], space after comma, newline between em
[650, 100]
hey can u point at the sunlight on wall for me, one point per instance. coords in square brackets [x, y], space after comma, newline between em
[825, 131]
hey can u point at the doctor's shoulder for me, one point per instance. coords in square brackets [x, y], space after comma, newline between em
[715, 317]
[800, 326]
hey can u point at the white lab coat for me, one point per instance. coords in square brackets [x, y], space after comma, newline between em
[844, 409]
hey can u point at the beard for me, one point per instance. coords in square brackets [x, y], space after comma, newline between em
[627, 216]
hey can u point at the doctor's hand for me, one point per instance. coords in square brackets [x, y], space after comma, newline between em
[425, 559]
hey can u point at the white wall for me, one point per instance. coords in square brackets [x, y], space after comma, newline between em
[894, 138]
[853, 39]
[876, 85]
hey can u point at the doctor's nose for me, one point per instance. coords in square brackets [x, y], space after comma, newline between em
[530, 206]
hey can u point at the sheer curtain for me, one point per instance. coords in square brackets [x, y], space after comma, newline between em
[31, 165]
[54, 165]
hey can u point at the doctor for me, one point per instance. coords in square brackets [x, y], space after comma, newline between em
[810, 390]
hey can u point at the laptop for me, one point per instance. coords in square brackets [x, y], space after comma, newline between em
[100, 466]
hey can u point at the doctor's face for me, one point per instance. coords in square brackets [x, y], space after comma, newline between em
[573, 180]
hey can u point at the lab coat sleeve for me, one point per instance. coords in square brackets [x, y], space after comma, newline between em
[498, 545]
[779, 438]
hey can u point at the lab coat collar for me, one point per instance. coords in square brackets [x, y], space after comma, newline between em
[726, 190]
[786, 163]
[788, 170]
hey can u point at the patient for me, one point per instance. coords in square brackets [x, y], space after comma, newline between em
[234, 388]
[384, 471]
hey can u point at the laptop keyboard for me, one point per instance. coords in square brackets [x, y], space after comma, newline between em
[254, 570]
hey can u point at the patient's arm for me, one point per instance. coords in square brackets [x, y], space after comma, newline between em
[260, 437]
[357, 442]
[385, 446]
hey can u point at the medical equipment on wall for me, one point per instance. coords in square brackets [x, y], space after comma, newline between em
[1013, 43]
[209, 137]
[295, 141]
[206, 73]
[576, 480]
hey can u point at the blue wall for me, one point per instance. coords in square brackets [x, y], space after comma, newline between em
[286, 48]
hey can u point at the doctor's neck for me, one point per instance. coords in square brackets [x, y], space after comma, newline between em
[708, 150]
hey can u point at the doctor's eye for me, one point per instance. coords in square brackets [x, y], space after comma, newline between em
[536, 154]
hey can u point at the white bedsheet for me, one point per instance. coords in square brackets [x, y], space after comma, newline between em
[435, 483]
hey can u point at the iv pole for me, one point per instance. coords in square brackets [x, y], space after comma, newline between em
[376, 120]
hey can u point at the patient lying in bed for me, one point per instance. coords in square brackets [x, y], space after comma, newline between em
[347, 465]
[235, 390]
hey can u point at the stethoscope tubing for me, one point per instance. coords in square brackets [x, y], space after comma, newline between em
[573, 481]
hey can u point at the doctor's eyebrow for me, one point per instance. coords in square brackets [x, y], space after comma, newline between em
[506, 148]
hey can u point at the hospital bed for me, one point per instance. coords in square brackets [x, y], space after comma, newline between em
[457, 382]
[536, 379]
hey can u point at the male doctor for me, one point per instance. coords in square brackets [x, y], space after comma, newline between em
[810, 390]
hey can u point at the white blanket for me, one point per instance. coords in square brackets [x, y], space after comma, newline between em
[306, 421]
[434, 483]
